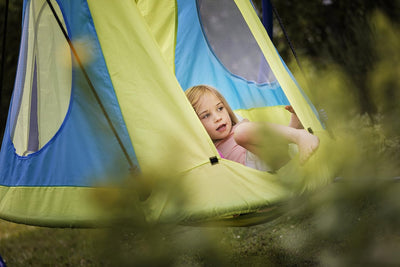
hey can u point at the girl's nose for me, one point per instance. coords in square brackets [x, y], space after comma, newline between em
[217, 118]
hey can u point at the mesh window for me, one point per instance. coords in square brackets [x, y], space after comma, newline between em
[232, 42]
[43, 82]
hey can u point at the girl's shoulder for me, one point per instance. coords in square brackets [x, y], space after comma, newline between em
[240, 122]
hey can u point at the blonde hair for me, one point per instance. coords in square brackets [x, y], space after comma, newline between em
[194, 94]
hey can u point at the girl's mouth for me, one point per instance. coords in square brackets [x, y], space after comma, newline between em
[221, 128]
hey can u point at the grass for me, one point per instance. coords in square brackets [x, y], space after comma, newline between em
[305, 236]
[23, 245]
[189, 246]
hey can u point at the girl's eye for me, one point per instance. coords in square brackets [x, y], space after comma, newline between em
[205, 116]
[220, 108]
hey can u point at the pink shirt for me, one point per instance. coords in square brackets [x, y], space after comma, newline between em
[230, 149]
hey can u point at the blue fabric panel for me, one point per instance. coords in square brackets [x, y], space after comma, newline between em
[195, 63]
[84, 151]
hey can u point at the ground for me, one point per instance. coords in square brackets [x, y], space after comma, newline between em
[305, 236]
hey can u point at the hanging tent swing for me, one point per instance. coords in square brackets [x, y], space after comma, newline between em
[99, 94]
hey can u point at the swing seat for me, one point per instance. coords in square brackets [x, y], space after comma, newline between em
[109, 101]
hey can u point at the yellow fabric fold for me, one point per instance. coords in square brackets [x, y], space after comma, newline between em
[294, 95]
[161, 17]
[165, 131]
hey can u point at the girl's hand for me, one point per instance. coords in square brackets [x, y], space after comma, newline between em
[294, 120]
[290, 109]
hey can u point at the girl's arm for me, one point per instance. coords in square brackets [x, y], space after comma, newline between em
[264, 137]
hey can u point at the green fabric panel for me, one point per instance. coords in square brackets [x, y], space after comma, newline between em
[51, 206]
[275, 114]
[216, 193]
[165, 131]
[161, 18]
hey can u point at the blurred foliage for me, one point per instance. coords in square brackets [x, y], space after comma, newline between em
[352, 66]
[356, 220]
[334, 32]
[352, 222]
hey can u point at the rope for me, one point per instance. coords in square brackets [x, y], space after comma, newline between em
[286, 35]
[132, 166]
[322, 114]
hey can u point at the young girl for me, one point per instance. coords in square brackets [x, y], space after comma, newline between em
[243, 141]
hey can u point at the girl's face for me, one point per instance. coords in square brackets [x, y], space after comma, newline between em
[214, 116]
